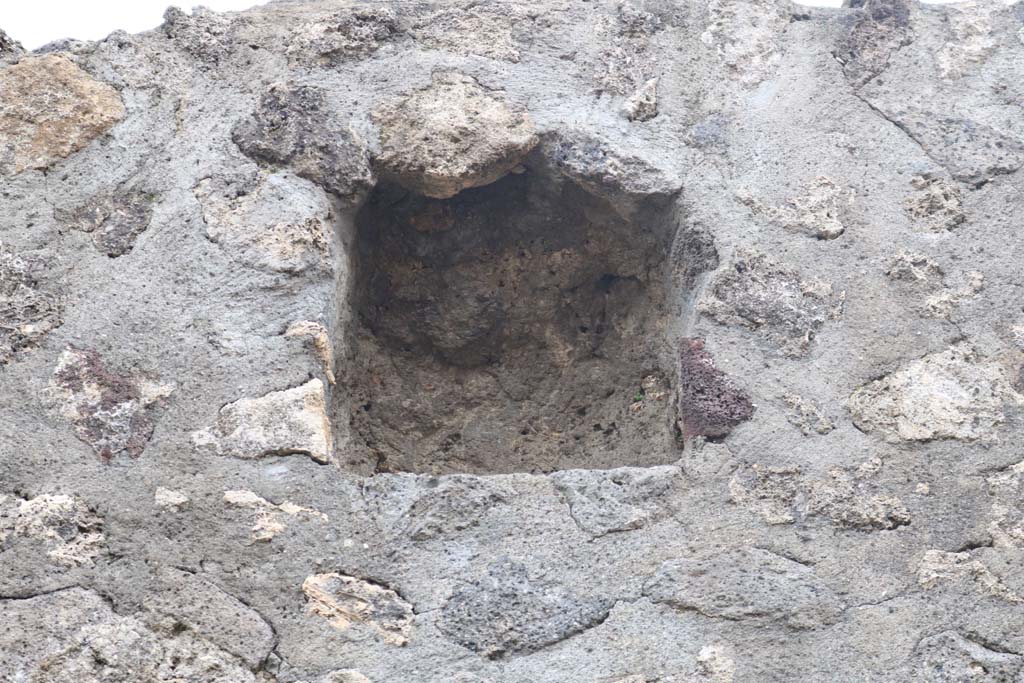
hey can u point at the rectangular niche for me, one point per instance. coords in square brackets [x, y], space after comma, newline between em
[524, 326]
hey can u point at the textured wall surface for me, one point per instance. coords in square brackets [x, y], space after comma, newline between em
[516, 342]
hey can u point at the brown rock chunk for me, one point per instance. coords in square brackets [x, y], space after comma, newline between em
[347, 602]
[451, 136]
[111, 412]
[710, 404]
[114, 220]
[50, 109]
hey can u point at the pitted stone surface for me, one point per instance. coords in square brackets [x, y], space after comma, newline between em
[70, 533]
[73, 635]
[115, 221]
[28, 309]
[294, 126]
[617, 500]
[776, 302]
[506, 613]
[747, 584]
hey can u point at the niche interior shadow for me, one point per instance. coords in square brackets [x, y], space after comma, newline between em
[523, 326]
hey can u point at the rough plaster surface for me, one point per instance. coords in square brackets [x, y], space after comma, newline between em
[489, 342]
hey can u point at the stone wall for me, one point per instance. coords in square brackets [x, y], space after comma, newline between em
[635, 341]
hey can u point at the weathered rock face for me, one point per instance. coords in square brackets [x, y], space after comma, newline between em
[620, 341]
[51, 108]
[295, 127]
[278, 222]
[28, 311]
[293, 421]
[111, 412]
[746, 584]
[451, 136]
[954, 394]
[507, 613]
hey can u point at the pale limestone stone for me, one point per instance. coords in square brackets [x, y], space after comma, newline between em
[938, 567]
[483, 29]
[744, 35]
[821, 209]
[269, 519]
[937, 206]
[71, 533]
[50, 109]
[316, 335]
[293, 421]
[280, 224]
[807, 416]
[952, 394]
[772, 299]
[943, 304]
[643, 104]
[716, 665]
[915, 269]
[451, 136]
[167, 498]
[847, 498]
[345, 676]
[1007, 523]
[972, 26]
[769, 491]
[347, 602]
